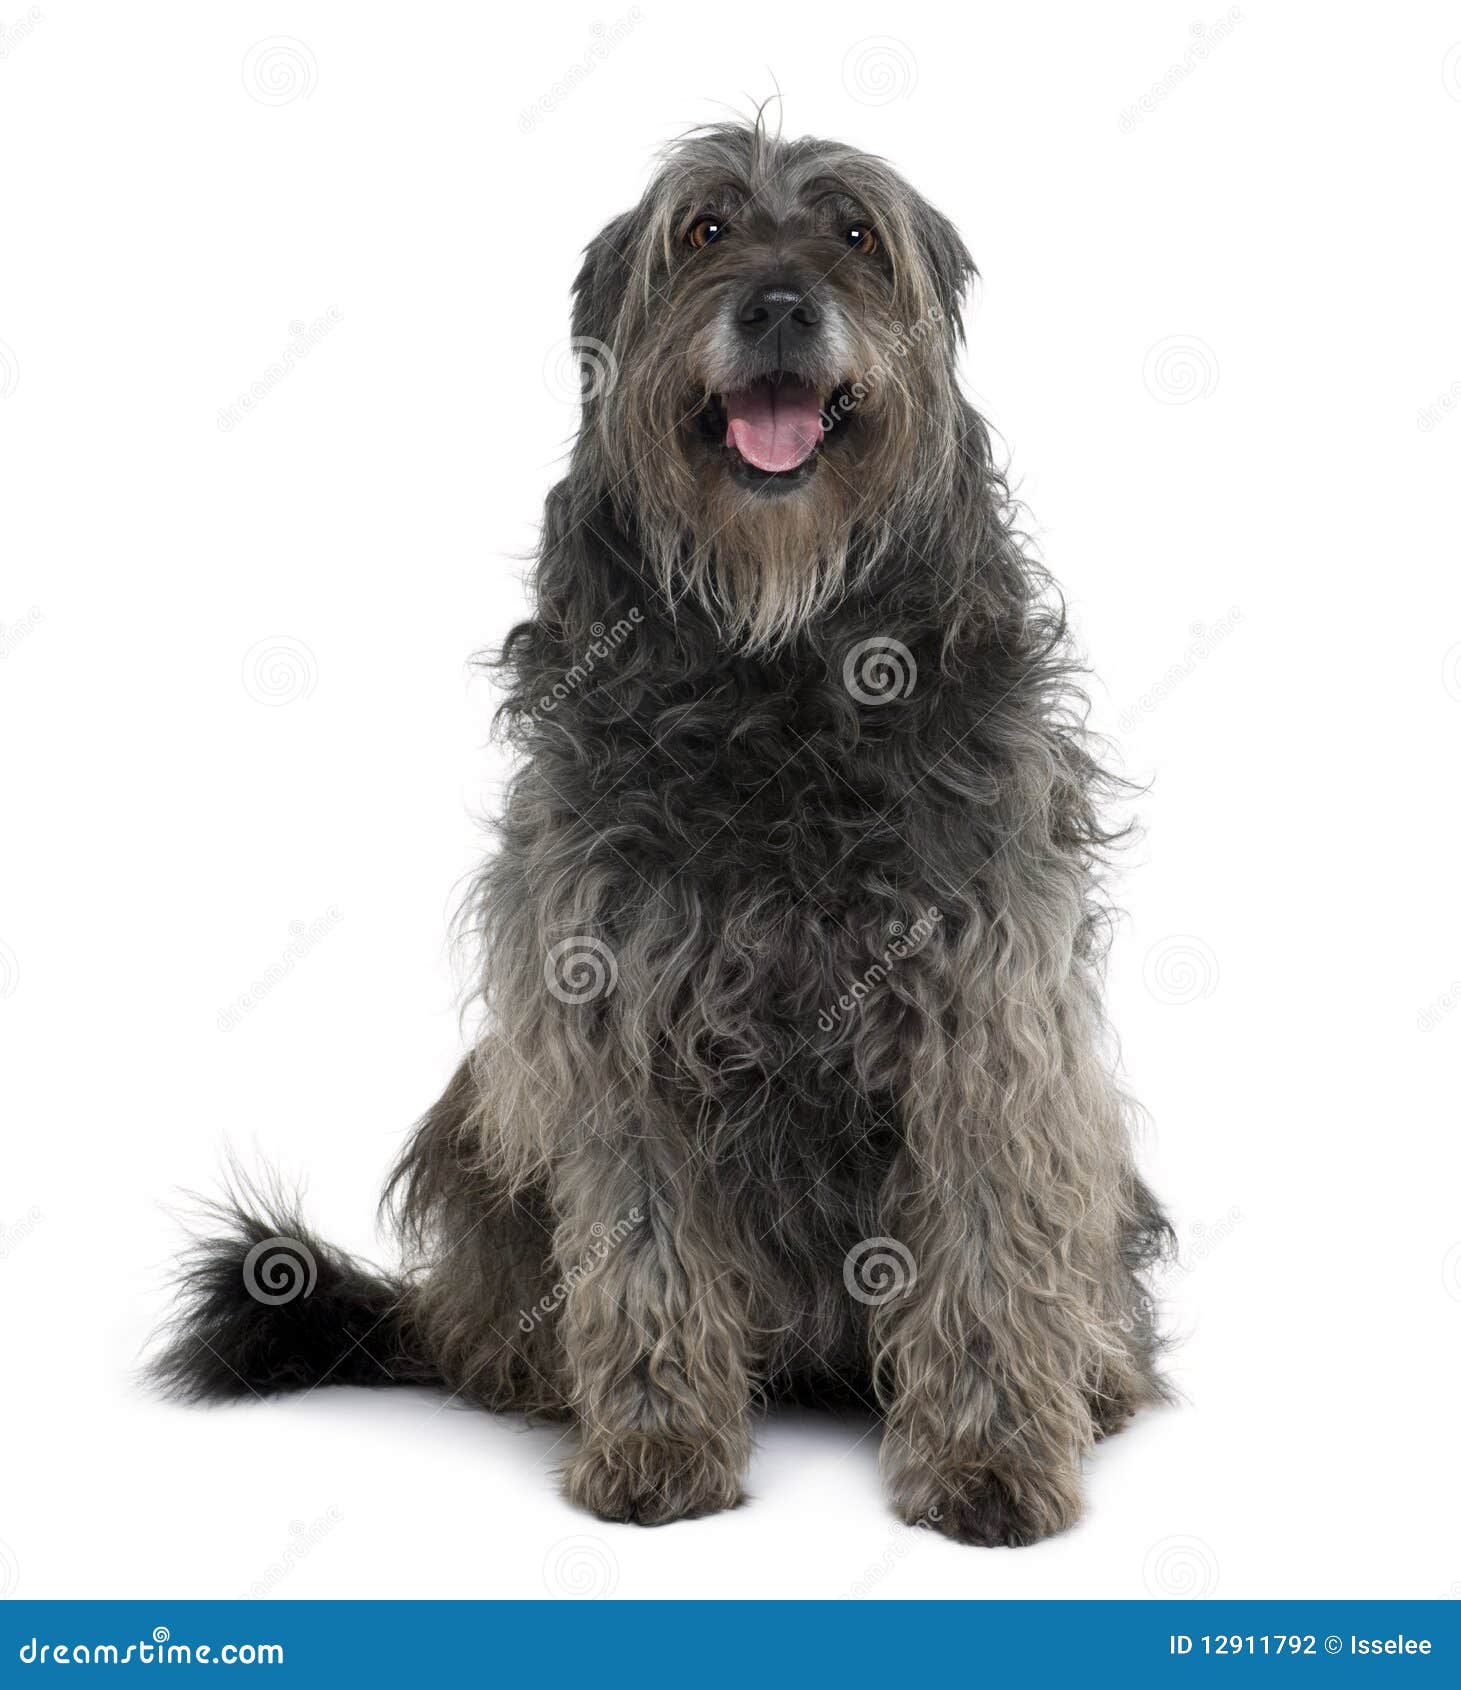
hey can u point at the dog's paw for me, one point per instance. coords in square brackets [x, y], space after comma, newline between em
[993, 1510]
[650, 1481]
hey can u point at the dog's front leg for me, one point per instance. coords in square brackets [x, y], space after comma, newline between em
[991, 1332]
[655, 1338]
[985, 1418]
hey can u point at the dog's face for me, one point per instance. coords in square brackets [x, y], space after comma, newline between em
[773, 331]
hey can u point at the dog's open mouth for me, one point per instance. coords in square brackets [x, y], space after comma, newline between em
[770, 431]
[775, 425]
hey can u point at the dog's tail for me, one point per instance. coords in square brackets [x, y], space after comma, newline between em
[263, 1307]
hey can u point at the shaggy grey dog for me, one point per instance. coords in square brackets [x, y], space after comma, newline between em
[794, 1081]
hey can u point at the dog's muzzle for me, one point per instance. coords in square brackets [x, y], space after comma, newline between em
[775, 422]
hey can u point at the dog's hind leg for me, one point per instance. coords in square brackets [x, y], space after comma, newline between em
[481, 1287]
[655, 1336]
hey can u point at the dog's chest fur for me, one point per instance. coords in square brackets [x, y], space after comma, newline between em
[786, 859]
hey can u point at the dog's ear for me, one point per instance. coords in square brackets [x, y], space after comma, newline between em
[603, 280]
[947, 262]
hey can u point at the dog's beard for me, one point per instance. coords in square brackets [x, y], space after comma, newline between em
[766, 549]
[767, 563]
[764, 552]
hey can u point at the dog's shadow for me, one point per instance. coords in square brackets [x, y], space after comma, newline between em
[795, 1445]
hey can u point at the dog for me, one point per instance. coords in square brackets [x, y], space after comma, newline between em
[794, 1079]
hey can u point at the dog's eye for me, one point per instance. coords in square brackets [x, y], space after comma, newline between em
[861, 239]
[704, 232]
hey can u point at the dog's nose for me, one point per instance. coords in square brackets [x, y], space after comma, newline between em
[777, 306]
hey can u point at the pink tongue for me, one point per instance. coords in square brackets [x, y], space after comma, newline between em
[775, 428]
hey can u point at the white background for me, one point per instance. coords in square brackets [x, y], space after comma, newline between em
[1219, 335]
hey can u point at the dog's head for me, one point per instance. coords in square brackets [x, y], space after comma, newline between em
[771, 334]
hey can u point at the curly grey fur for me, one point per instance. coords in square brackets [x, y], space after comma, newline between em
[788, 969]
